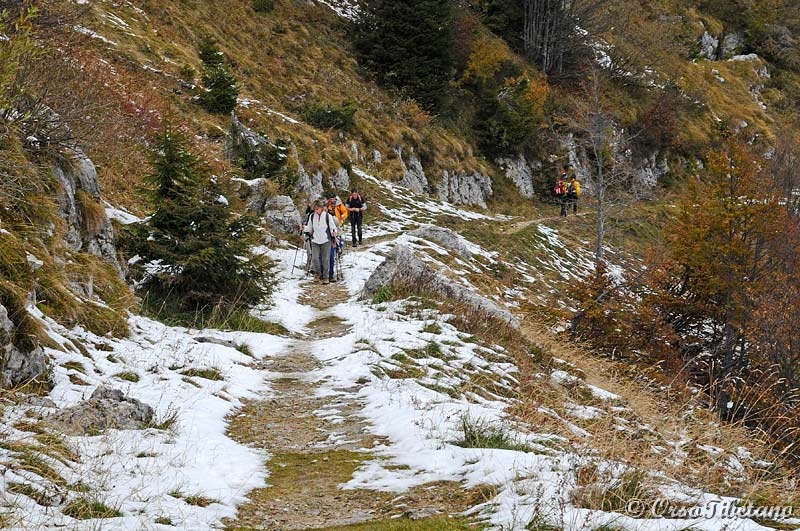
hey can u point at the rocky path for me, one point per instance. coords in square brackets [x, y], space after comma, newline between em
[316, 443]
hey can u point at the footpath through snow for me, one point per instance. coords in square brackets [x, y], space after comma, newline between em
[360, 412]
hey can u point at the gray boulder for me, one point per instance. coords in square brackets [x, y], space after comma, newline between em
[403, 268]
[17, 366]
[444, 237]
[105, 409]
[281, 214]
[253, 192]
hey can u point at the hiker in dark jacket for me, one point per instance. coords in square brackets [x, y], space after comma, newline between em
[356, 205]
[560, 190]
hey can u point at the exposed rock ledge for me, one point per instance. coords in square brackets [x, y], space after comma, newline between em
[403, 268]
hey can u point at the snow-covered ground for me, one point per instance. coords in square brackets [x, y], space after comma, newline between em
[149, 474]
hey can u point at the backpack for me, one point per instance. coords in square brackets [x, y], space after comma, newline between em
[327, 220]
[355, 202]
[559, 188]
[574, 190]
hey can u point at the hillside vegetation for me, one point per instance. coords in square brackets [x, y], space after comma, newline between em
[679, 270]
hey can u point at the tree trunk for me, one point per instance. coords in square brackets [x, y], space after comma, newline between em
[545, 32]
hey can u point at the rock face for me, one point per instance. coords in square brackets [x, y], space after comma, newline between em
[653, 168]
[519, 172]
[16, 365]
[309, 185]
[341, 179]
[105, 409]
[88, 227]
[464, 188]
[444, 237]
[281, 214]
[413, 175]
[403, 268]
[253, 192]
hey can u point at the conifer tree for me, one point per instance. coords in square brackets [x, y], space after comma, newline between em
[221, 90]
[197, 251]
[409, 45]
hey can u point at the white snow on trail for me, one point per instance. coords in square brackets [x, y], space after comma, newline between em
[148, 474]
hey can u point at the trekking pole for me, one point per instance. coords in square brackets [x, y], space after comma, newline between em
[294, 260]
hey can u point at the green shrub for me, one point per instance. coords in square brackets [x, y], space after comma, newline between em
[263, 6]
[331, 116]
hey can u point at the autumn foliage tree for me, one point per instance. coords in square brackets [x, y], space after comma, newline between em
[728, 281]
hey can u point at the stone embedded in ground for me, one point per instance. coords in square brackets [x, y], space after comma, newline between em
[403, 268]
[444, 237]
[105, 409]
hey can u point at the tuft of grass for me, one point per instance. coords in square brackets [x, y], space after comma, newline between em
[210, 373]
[75, 366]
[480, 433]
[384, 294]
[128, 376]
[168, 420]
[610, 497]
[164, 520]
[245, 349]
[432, 328]
[30, 491]
[193, 499]
[32, 459]
[88, 508]
[199, 500]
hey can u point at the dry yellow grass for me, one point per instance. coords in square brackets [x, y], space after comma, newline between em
[663, 420]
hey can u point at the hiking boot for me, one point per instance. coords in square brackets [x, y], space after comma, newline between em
[325, 282]
[333, 280]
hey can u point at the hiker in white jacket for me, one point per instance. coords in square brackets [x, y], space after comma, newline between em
[323, 228]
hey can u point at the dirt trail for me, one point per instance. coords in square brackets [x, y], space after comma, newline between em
[311, 455]
[517, 226]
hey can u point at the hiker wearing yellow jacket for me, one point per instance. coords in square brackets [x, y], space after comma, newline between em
[573, 193]
[337, 208]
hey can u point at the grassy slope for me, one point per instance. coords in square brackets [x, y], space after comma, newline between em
[285, 60]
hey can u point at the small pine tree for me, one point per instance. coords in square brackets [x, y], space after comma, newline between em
[197, 251]
[209, 52]
[221, 90]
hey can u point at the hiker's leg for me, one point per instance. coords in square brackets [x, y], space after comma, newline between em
[316, 251]
[563, 207]
[309, 258]
[332, 254]
[575, 206]
[325, 253]
[353, 240]
[360, 219]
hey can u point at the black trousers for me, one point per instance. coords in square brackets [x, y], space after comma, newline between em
[355, 223]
